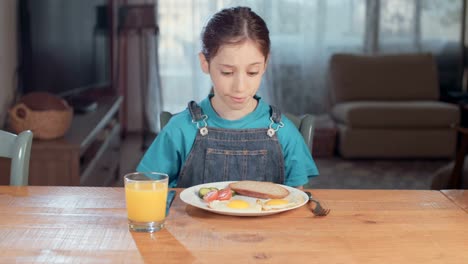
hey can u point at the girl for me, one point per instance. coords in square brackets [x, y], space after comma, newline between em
[232, 134]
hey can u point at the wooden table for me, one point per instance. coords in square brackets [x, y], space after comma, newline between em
[459, 197]
[40, 224]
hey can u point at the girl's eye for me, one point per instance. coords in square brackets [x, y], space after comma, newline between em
[252, 73]
[226, 73]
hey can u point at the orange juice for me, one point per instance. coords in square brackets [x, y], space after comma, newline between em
[146, 201]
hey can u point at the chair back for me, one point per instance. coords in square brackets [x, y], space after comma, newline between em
[18, 149]
[402, 77]
[304, 123]
[164, 118]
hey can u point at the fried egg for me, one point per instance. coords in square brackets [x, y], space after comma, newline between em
[277, 204]
[236, 205]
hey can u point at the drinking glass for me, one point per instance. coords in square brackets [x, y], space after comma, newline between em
[146, 195]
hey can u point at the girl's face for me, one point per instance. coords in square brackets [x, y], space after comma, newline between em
[236, 72]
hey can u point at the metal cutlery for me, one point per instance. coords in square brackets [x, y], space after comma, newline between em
[318, 210]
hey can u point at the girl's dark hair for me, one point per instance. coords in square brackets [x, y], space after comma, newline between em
[232, 26]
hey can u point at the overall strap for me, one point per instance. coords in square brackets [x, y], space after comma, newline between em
[195, 111]
[275, 124]
[275, 114]
[198, 117]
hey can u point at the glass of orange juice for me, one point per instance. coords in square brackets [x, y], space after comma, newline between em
[146, 195]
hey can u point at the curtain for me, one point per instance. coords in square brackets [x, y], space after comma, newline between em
[153, 97]
[304, 34]
[138, 65]
[8, 58]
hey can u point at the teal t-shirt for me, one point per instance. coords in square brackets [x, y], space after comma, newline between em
[172, 146]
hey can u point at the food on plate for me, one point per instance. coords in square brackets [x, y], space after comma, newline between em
[210, 196]
[203, 191]
[258, 189]
[254, 196]
[278, 204]
[224, 194]
[237, 204]
[211, 193]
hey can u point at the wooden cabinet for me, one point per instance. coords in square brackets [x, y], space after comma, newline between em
[88, 155]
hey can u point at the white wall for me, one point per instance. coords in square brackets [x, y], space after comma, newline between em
[8, 53]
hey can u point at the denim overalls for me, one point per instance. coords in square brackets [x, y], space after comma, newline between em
[233, 154]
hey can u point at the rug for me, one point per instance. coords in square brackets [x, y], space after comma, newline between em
[337, 173]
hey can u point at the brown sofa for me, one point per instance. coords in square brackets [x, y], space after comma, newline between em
[388, 106]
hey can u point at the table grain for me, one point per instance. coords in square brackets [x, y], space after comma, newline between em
[41, 224]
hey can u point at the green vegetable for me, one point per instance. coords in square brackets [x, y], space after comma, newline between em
[203, 191]
[214, 188]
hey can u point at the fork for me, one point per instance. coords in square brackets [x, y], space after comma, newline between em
[318, 210]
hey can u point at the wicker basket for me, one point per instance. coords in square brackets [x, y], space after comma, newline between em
[46, 115]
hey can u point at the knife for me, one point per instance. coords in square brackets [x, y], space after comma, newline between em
[170, 199]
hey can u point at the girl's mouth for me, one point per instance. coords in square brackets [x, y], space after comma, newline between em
[238, 99]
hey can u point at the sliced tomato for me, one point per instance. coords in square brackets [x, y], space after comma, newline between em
[211, 196]
[224, 194]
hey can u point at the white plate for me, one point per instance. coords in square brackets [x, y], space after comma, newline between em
[190, 196]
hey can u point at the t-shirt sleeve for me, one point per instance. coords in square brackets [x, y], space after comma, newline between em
[298, 162]
[162, 156]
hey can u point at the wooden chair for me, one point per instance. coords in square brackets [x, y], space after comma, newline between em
[18, 148]
[304, 123]
[164, 118]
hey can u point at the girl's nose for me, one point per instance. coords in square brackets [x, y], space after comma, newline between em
[239, 84]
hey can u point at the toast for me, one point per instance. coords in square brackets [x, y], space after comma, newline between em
[258, 189]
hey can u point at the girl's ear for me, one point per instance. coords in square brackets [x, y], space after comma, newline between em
[205, 66]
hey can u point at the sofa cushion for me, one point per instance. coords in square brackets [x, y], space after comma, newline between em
[383, 77]
[396, 143]
[407, 114]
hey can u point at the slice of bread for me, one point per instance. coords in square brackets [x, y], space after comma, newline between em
[258, 189]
